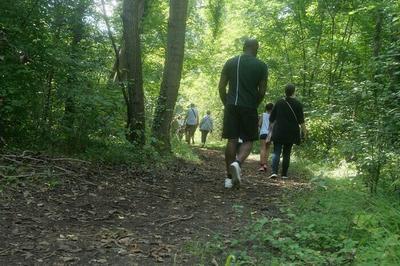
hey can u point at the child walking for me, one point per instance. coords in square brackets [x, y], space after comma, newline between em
[265, 139]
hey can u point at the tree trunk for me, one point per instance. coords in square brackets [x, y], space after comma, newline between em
[331, 57]
[77, 29]
[304, 70]
[172, 73]
[316, 55]
[136, 117]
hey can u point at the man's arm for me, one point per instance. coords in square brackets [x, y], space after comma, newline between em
[303, 130]
[223, 81]
[262, 88]
[186, 118]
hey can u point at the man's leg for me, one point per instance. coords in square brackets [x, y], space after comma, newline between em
[205, 136]
[192, 131]
[244, 151]
[230, 153]
[276, 157]
[234, 168]
[231, 131]
[287, 149]
[263, 151]
[187, 134]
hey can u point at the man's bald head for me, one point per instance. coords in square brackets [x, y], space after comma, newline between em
[251, 46]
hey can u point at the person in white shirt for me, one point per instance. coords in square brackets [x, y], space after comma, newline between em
[191, 122]
[265, 136]
[206, 126]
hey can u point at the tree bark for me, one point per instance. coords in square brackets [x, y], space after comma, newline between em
[131, 33]
[172, 73]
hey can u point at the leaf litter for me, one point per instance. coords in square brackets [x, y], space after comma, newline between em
[68, 211]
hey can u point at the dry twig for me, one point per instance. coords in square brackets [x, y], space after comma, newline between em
[178, 219]
[70, 159]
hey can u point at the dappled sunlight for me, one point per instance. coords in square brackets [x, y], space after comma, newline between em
[94, 102]
[343, 170]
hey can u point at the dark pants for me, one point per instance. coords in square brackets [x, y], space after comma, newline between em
[287, 149]
[190, 130]
[204, 134]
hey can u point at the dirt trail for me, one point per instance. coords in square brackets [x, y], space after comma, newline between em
[126, 216]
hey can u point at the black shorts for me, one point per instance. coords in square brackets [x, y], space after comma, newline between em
[263, 136]
[240, 122]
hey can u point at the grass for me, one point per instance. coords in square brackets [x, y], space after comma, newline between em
[181, 150]
[335, 223]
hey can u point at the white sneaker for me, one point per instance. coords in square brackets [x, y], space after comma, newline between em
[273, 176]
[234, 170]
[228, 183]
[284, 177]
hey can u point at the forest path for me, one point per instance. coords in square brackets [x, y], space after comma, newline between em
[125, 216]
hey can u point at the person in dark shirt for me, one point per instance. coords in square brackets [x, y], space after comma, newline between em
[288, 120]
[247, 78]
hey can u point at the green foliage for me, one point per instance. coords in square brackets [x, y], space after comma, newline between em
[123, 153]
[181, 150]
[56, 95]
[336, 223]
[56, 61]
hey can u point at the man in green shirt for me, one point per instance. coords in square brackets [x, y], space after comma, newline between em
[247, 77]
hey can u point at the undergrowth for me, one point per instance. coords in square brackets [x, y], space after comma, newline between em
[109, 153]
[335, 223]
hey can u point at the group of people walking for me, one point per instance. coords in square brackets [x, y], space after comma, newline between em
[189, 124]
[242, 88]
[282, 123]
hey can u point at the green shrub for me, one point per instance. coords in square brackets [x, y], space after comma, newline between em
[335, 223]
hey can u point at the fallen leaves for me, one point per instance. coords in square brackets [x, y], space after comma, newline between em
[160, 252]
[108, 214]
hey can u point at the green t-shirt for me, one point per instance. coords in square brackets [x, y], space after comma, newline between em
[249, 73]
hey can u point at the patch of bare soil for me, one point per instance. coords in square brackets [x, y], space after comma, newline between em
[70, 212]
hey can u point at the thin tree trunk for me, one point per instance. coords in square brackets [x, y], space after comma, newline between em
[316, 53]
[46, 122]
[340, 60]
[122, 66]
[303, 48]
[172, 73]
[376, 147]
[77, 28]
[287, 55]
[117, 65]
[47, 101]
[343, 61]
[131, 33]
[332, 58]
